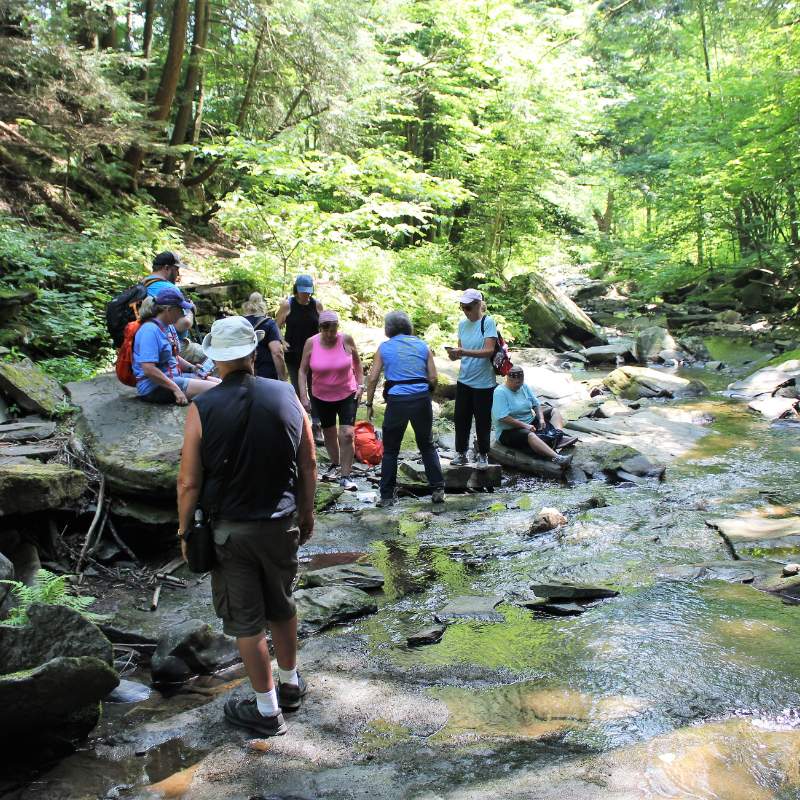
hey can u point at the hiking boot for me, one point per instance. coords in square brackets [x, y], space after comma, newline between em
[386, 502]
[346, 484]
[562, 461]
[567, 441]
[245, 714]
[437, 496]
[482, 461]
[459, 461]
[331, 474]
[290, 697]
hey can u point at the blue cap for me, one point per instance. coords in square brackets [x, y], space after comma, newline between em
[173, 297]
[304, 283]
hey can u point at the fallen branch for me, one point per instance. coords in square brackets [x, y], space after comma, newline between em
[125, 549]
[156, 596]
[98, 513]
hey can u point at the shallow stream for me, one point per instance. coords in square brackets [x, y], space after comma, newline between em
[686, 685]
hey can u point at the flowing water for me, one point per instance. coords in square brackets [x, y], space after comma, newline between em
[685, 685]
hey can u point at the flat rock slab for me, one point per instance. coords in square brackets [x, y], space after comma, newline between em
[136, 445]
[31, 486]
[27, 430]
[774, 407]
[556, 386]
[572, 591]
[654, 432]
[765, 381]
[609, 353]
[745, 534]
[741, 571]
[561, 609]
[31, 388]
[455, 478]
[471, 607]
[430, 635]
[41, 452]
[322, 606]
[633, 383]
[362, 576]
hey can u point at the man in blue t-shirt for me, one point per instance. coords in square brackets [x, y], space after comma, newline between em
[513, 407]
[477, 336]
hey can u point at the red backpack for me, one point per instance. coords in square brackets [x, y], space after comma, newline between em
[124, 365]
[501, 360]
[368, 447]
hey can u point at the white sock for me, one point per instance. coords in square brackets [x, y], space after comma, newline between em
[289, 676]
[267, 703]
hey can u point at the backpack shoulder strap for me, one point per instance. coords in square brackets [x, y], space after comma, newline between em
[483, 323]
[151, 279]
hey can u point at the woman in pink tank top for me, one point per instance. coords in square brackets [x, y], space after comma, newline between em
[338, 384]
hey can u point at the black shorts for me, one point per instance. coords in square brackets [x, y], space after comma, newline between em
[344, 409]
[517, 439]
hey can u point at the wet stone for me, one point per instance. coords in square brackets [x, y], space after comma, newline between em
[430, 635]
[191, 648]
[362, 576]
[561, 609]
[323, 606]
[546, 520]
[470, 607]
[633, 383]
[572, 591]
[129, 692]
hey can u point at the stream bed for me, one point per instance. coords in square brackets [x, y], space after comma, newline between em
[685, 685]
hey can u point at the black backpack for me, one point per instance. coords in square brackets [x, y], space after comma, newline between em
[124, 308]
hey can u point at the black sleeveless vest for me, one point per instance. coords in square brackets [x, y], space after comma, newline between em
[262, 480]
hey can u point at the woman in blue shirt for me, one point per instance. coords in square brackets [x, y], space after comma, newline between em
[513, 409]
[477, 336]
[407, 363]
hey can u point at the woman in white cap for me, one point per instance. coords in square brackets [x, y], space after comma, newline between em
[477, 336]
[300, 314]
[338, 386]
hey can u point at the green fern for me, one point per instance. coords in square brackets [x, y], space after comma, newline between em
[52, 590]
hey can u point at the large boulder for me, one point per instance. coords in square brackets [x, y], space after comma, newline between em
[459, 479]
[190, 648]
[651, 341]
[633, 383]
[6, 574]
[53, 673]
[766, 381]
[322, 606]
[554, 319]
[615, 352]
[558, 388]
[27, 486]
[136, 445]
[362, 576]
[30, 388]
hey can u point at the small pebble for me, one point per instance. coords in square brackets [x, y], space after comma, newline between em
[790, 569]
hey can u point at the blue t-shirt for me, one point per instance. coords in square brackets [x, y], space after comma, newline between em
[152, 345]
[405, 357]
[477, 373]
[507, 403]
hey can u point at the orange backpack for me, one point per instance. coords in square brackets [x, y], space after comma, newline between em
[368, 447]
[124, 365]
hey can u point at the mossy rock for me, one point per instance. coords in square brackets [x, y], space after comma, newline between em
[30, 486]
[31, 388]
[634, 383]
[326, 495]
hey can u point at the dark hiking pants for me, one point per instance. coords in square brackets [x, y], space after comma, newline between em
[471, 403]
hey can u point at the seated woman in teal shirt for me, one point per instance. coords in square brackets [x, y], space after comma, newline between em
[513, 405]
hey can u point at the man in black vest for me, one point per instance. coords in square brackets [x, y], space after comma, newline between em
[248, 461]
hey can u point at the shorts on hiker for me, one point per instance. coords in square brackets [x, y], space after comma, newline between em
[328, 411]
[251, 583]
[517, 439]
[163, 396]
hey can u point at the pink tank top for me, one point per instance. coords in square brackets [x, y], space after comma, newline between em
[332, 368]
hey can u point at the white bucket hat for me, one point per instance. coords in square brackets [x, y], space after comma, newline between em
[231, 338]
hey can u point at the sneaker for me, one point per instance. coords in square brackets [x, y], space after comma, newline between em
[245, 714]
[331, 474]
[482, 461]
[346, 484]
[437, 496]
[290, 697]
[386, 502]
[562, 461]
[459, 461]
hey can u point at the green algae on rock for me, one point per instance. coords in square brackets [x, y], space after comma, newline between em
[27, 486]
[31, 388]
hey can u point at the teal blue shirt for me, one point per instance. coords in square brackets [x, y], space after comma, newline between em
[516, 405]
[477, 373]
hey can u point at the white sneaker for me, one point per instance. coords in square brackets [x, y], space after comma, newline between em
[331, 474]
[482, 461]
[347, 484]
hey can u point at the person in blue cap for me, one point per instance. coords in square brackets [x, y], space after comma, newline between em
[300, 314]
[157, 364]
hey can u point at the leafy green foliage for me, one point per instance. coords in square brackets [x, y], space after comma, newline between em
[49, 589]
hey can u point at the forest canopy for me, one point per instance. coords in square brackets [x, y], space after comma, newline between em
[397, 149]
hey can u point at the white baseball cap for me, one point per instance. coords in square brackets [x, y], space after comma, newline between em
[231, 338]
[470, 296]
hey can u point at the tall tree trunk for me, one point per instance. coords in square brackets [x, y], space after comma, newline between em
[109, 38]
[193, 72]
[129, 27]
[85, 32]
[700, 234]
[170, 75]
[147, 46]
[198, 121]
[794, 223]
[252, 76]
